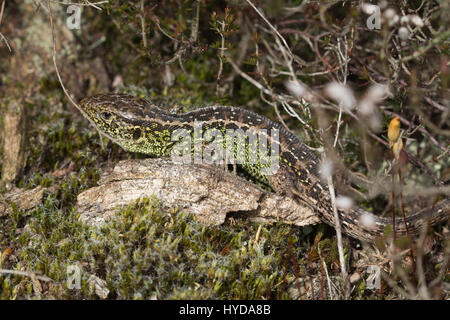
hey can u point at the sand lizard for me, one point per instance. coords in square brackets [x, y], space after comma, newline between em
[140, 126]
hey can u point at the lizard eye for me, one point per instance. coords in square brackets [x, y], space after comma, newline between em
[106, 115]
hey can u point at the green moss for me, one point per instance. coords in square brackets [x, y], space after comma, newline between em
[143, 252]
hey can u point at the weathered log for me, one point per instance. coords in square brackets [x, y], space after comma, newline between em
[13, 133]
[208, 192]
[23, 199]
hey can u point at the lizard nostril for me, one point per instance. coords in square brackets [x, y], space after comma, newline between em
[106, 115]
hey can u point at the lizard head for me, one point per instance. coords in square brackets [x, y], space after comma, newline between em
[119, 117]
